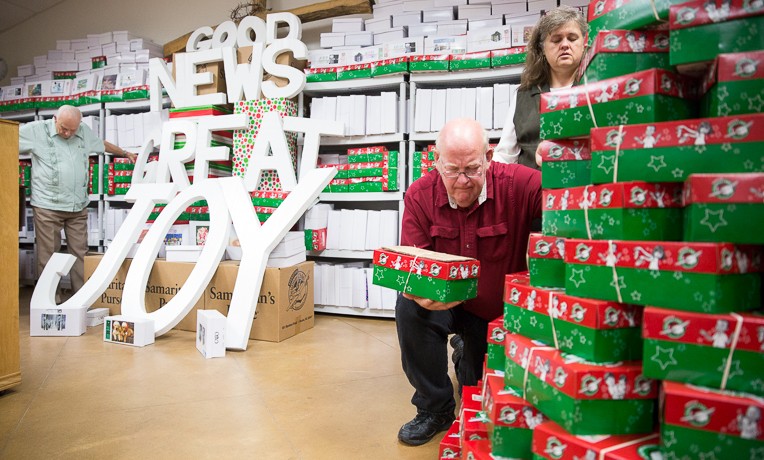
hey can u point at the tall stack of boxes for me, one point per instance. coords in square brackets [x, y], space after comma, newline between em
[648, 267]
[107, 67]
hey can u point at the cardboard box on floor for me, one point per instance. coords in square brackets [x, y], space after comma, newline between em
[165, 280]
[284, 309]
[285, 304]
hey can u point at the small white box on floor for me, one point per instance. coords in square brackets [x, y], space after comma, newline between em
[183, 253]
[210, 333]
[137, 332]
[96, 316]
[57, 323]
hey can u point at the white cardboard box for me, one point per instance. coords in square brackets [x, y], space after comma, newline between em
[404, 47]
[57, 323]
[441, 3]
[387, 9]
[96, 316]
[438, 112]
[407, 18]
[359, 38]
[473, 11]
[330, 39]
[445, 45]
[423, 30]
[183, 253]
[486, 39]
[452, 28]
[423, 110]
[500, 104]
[509, 8]
[378, 24]
[417, 5]
[484, 107]
[492, 22]
[210, 333]
[124, 330]
[390, 35]
[347, 25]
[438, 14]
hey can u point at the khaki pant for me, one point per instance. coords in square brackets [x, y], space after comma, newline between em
[47, 230]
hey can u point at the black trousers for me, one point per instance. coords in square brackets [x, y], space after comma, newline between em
[423, 337]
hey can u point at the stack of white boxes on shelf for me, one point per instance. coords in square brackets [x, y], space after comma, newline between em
[350, 285]
[290, 251]
[132, 130]
[361, 114]
[434, 107]
[361, 229]
[116, 59]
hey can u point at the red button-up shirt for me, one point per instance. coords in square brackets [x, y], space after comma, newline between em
[495, 232]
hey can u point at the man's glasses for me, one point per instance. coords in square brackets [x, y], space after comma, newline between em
[471, 172]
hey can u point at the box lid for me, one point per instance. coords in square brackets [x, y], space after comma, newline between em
[506, 407]
[592, 313]
[565, 150]
[702, 12]
[545, 247]
[576, 377]
[643, 83]
[428, 263]
[704, 329]
[734, 67]
[632, 195]
[716, 258]
[724, 188]
[698, 132]
[698, 408]
[551, 441]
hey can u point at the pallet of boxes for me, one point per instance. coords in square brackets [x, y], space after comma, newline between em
[635, 332]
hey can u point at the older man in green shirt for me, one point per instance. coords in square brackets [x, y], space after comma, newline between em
[60, 148]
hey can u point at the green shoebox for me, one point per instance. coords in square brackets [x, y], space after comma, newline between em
[618, 52]
[619, 211]
[642, 97]
[699, 277]
[495, 354]
[351, 72]
[582, 397]
[320, 74]
[552, 442]
[136, 93]
[545, 260]
[734, 85]
[594, 330]
[369, 169]
[390, 66]
[694, 348]
[428, 274]
[272, 199]
[701, 30]
[700, 423]
[511, 419]
[508, 57]
[626, 14]
[724, 208]
[429, 63]
[565, 163]
[670, 152]
[470, 61]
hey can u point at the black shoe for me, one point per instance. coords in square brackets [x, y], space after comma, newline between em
[424, 427]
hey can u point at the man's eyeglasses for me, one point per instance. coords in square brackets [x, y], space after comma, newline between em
[471, 172]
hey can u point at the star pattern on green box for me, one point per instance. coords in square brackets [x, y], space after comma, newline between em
[664, 357]
[714, 219]
[577, 277]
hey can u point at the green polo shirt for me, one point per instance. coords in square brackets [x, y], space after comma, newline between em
[59, 166]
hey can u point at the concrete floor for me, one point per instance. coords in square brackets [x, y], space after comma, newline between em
[336, 391]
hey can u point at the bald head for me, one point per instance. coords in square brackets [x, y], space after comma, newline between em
[461, 134]
[67, 120]
[462, 157]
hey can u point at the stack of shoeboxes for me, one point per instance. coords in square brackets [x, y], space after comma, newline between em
[112, 66]
[648, 266]
[363, 169]
[426, 36]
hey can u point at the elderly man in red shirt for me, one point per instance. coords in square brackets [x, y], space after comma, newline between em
[471, 207]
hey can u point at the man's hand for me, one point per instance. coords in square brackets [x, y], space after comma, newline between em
[430, 304]
[131, 156]
[538, 155]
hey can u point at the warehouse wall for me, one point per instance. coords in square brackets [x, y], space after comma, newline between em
[159, 21]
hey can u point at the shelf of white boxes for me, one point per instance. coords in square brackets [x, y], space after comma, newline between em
[487, 97]
[388, 201]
